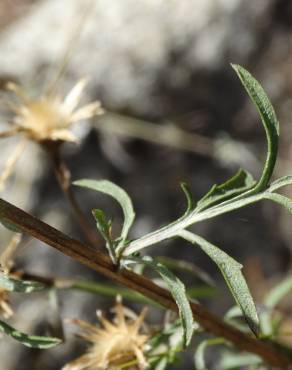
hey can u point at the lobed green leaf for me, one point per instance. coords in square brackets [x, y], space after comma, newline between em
[29, 340]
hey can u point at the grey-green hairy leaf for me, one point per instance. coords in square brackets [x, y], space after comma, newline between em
[29, 340]
[104, 227]
[109, 188]
[280, 199]
[162, 363]
[236, 185]
[278, 292]
[271, 301]
[239, 191]
[189, 197]
[199, 356]
[178, 291]
[279, 183]
[269, 120]
[231, 361]
[186, 266]
[231, 271]
[10, 226]
[233, 312]
[232, 316]
[22, 286]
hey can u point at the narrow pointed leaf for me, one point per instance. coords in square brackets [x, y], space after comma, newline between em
[102, 224]
[271, 301]
[104, 227]
[21, 286]
[232, 361]
[283, 181]
[231, 271]
[29, 340]
[186, 266]
[280, 199]
[111, 189]
[236, 185]
[161, 364]
[269, 120]
[189, 197]
[9, 225]
[232, 313]
[178, 291]
[199, 357]
[232, 316]
[279, 292]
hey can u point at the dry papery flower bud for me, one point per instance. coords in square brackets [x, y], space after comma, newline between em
[113, 343]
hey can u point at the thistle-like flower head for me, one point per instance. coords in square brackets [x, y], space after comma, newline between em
[50, 117]
[112, 343]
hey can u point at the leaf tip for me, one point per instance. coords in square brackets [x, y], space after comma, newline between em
[234, 66]
[190, 202]
[239, 70]
[253, 325]
[77, 183]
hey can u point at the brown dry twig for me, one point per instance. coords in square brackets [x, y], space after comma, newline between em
[63, 176]
[101, 263]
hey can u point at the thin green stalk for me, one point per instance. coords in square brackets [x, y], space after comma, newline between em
[103, 289]
[173, 229]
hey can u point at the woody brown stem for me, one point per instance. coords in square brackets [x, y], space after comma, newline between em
[98, 261]
[63, 176]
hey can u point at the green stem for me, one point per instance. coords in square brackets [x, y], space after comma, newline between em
[103, 289]
[173, 229]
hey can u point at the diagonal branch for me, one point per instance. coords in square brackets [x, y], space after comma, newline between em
[98, 261]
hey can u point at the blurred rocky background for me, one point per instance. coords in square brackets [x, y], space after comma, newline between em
[175, 112]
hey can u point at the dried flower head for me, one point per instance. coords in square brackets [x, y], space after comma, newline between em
[50, 117]
[112, 343]
[45, 119]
